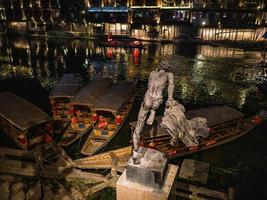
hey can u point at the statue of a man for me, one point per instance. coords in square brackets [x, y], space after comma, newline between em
[158, 80]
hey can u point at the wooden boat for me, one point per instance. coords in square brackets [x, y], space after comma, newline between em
[81, 109]
[62, 94]
[24, 123]
[117, 158]
[129, 42]
[112, 109]
[227, 124]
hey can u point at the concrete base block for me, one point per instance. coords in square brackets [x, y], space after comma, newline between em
[151, 170]
[128, 190]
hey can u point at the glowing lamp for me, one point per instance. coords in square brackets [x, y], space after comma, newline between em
[118, 119]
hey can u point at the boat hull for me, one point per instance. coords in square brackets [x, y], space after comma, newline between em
[91, 148]
[71, 136]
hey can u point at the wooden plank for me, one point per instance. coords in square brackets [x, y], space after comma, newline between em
[188, 196]
[15, 152]
[29, 169]
[17, 167]
[201, 190]
[78, 174]
[112, 159]
[101, 186]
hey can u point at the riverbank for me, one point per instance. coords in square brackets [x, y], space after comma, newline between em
[250, 45]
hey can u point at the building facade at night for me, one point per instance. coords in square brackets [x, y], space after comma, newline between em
[33, 16]
[144, 19]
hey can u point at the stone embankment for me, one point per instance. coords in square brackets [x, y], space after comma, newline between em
[15, 188]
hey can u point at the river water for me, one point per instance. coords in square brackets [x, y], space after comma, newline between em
[204, 75]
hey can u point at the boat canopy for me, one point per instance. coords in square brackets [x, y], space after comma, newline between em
[67, 87]
[21, 113]
[91, 92]
[214, 115]
[116, 96]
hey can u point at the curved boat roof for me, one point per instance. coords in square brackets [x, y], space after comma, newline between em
[68, 86]
[116, 96]
[21, 113]
[91, 92]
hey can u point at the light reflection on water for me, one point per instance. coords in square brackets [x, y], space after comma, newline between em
[204, 75]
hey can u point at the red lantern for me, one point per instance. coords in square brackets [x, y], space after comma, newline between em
[172, 153]
[118, 119]
[74, 120]
[210, 142]
[49, 127]
[48, 138]
[257, 119]
[193, 148]
[21, 139]
[95, 117]
[72, 111]
[212, 130]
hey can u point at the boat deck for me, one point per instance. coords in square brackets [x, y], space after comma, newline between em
[215, 115]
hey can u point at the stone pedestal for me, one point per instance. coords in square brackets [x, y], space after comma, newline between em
[151, 170]
[128, 190]
[152, 179]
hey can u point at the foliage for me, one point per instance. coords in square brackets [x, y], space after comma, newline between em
[106, 194]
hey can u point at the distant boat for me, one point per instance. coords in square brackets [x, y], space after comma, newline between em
[128, 42]
[26, 124]
[227, 124]
[112, 110]
[81, 107]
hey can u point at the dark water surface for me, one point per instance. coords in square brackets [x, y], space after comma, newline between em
[204, 75]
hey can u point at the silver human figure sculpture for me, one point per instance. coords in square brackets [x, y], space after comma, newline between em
[158, 80]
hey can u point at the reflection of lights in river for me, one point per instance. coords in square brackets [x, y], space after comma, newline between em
[65, 51]
[8, 71]
[243, 96]
[136, 55]
[212, 87]
[109, 52]
[202, 76]
[199, 64]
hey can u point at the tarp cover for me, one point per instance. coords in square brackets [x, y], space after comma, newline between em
[116, 96]
[68, 86]
[91, 92]
[214, 115]
[20, 112]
